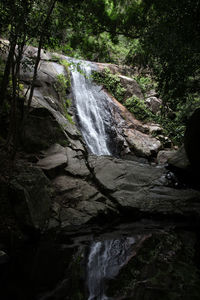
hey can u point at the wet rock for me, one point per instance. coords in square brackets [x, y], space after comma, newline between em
[158, 269]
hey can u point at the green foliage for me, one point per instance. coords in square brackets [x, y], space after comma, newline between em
[136, 55]
[171, 50]
[111, 82]
[62, 85]
[137, 106]
[146, 83]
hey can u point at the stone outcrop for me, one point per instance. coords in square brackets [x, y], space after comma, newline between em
[30, 192]
[136, 136]
[143, 188]
[77, 202]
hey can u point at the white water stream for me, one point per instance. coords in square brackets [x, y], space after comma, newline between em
[104, 262]
[93, 111]
[92, 105]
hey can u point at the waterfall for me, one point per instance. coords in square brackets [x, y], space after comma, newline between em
[92, 105]
[104, 262]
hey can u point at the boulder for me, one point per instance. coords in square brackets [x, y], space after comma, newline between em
[165, 155]
[152, 128]
[179, 159]
[142, 144]
[154, 104]
[131, 86]
[117, 69]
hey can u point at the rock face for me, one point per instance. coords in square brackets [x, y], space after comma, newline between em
[30, 196]
[77, 202]
[143, 188]
[41, 130]
[135, 136]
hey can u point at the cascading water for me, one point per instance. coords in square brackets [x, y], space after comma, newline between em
[104, 262]
[92, 105]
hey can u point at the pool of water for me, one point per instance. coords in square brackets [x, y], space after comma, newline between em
[144, 260]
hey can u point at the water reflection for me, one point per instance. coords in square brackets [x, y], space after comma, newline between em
[104, 262]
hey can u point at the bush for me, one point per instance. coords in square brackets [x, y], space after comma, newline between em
[111, 82]
[145, 83]
[137, 106]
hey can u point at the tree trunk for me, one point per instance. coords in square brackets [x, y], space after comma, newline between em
[13, 128]
[5, 80]
[42, 35]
